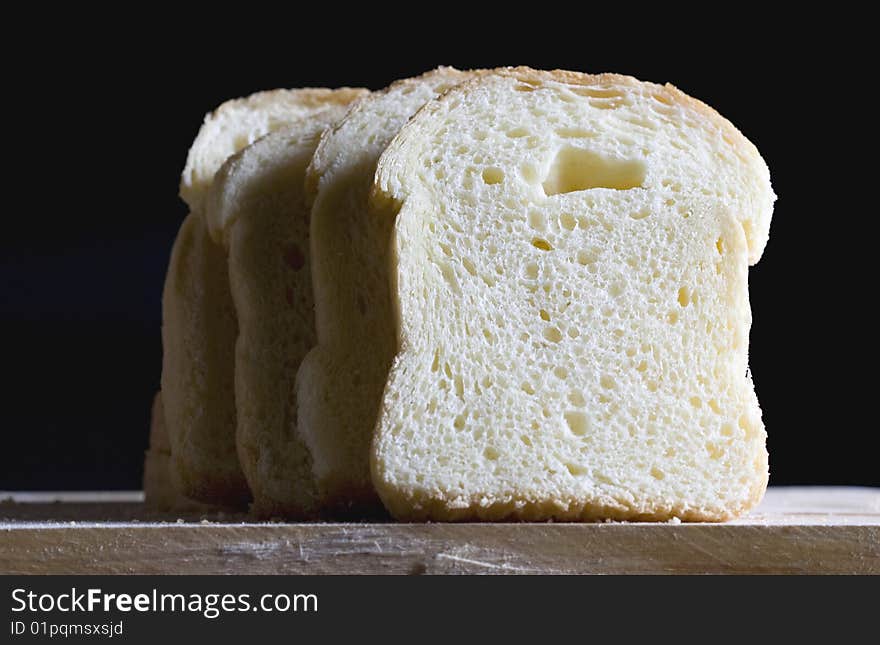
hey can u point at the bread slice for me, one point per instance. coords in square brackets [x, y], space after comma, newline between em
[571, 261]
[198, 361]
[340, 381]
[161, 490]
[199, 322]
[238, 123]
[258, 204]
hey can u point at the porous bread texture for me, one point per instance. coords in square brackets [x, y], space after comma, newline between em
[340, 381]
[258, 204]
[571, 263]
[199, 323]
[238, 123]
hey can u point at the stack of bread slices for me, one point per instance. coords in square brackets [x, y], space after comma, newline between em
[487, 295]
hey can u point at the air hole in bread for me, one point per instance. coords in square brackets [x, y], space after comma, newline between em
[576, 399]
[576, 133]
[715, 451]
[536, 220]
[449, 275]
[517, 133]
[599, 92]
[656, 473]
[459, 387]
[576, 470]
[491, 453]
[684, 297]
[469, 266]
[641, 123]
[568, 221]
[544, 315]
[576, 169]
[607, 104]
[552, 334]
[577, 422]
[493, 175]
[541, 244]
[586, 257]
[530, 173]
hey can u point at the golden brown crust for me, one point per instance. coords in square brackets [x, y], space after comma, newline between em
[416, 508]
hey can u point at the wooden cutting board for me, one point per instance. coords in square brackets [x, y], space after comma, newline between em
[795, 530]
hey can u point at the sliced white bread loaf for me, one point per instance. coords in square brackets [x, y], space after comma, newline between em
[258, 205]
[340, 382]
[570, 258]
[199, 324]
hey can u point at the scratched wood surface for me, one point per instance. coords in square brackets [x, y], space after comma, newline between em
[795, 530]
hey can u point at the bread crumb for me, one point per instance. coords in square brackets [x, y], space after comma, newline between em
[673, 520]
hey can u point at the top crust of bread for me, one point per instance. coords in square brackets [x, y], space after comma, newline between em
[238, 123]
[755, 220]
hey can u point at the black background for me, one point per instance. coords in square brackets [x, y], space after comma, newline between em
[100, 111]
